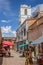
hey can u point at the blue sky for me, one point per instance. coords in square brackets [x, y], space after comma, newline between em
[9, 14]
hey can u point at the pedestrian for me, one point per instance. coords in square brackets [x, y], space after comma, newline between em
[27, 62]
[3, 52]
[9, 51]
[28, 57]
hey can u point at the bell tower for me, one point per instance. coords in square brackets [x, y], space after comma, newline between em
[25, 12]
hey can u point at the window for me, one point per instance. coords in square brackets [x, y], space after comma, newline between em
[19, 22]
[25, 11]
[21, 32]
[24, 31]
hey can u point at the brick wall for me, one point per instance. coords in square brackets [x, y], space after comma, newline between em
[35, 30]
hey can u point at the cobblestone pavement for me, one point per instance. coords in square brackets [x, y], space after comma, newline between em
[15, 59]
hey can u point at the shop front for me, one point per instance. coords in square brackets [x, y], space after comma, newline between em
[38, 47]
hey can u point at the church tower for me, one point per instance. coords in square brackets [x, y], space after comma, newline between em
[24, 13]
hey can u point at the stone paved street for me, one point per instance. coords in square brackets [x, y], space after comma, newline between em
[14, 59]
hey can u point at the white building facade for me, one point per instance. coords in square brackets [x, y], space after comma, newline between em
[22, 34]
[26, 12]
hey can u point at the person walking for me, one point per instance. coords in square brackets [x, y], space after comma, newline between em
[28, 57]
[9, 51]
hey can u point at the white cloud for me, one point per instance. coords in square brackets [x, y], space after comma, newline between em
[7, 31]
[6, 21]
[4, 35]
[14, 32]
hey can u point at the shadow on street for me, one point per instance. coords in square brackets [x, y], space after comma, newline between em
[21, 56]
[8, 56]
[1, 60]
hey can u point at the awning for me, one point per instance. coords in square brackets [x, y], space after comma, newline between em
[37, 41]
[23, 45]
[7, 43]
